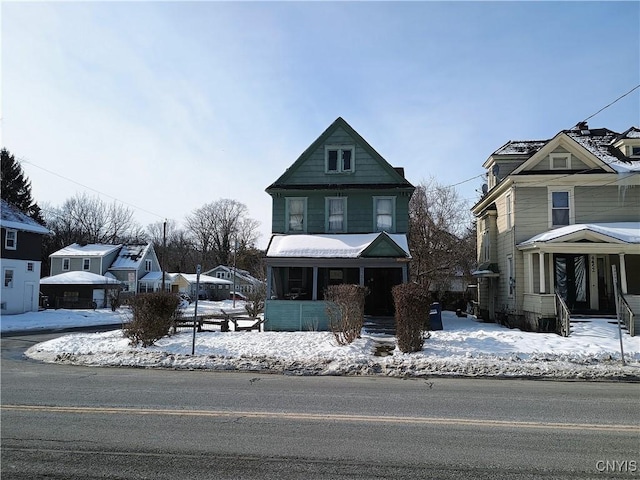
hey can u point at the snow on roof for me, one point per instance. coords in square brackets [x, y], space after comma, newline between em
[130, 257]
[598, 142]
[89, 249]
[192, 278]
[628, 232]
[157, 277]
[11, 217]
[515, 147]
[79, 278]
[327, 246]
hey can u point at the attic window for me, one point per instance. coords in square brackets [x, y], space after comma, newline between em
[560, 161]
[339, 159]
[635, 151]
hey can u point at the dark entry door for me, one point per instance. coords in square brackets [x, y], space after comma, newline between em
[572, 280]
[380, 281]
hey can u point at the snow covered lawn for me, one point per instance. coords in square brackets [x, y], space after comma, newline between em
[465, 347]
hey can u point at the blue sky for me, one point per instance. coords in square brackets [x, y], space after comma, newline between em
[171, 105]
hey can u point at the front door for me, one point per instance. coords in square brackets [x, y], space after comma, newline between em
[380, 282]
[572, 280]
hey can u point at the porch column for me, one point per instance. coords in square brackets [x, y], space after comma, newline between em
[314, 294]
[405, 275]
[543, 286]
[362, 276]
[552, 275]
[623, 275]
[269, 272]
[528, 279]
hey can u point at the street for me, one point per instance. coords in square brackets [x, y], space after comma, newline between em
[72, 422]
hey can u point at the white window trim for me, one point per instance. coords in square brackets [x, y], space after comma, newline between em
[15, 239]
[304, 215]
[68, 261]
[326, 214]
[572, 210]
[511, 277]
[148, 265]
[393, 213]
[631, 147]
[86, 261]
[4, 277]
[564, 156]
[340, 169]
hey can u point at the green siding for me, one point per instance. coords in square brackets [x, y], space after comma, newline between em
[607, 204]
[295, 316]
[359, 210]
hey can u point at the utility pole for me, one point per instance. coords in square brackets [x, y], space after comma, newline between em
[164, 253]
[195, 312]
[235, 249]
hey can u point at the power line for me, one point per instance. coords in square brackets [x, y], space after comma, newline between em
[23, 160]
[607, 106]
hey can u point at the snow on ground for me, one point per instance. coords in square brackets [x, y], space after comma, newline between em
[466, 347]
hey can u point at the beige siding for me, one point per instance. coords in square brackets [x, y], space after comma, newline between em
[545, 163]
[531, 214]
[607, 204]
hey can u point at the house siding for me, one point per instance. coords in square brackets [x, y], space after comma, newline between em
[614, 204]
[29, 246]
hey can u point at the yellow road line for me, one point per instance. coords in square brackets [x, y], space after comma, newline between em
[326, 417]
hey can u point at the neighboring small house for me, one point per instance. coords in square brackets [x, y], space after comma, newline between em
[340, 215]
[244, 281]
[205, 288]
[136, 267]
[79, 290]
[557, 217]
[21, 260]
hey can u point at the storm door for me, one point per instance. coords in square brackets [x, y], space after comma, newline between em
[571, 275]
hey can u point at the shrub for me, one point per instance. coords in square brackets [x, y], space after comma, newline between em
[345, 309]
[412, 316]
[255, 300]
[152, 315]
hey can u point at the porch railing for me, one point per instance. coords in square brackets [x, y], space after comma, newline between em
[563, 316]
[626, 314]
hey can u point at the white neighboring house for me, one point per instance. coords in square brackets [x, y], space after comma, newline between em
[244, 281]
[21, 260]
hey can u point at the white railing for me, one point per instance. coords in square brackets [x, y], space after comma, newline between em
[626, 314]
[563, 316]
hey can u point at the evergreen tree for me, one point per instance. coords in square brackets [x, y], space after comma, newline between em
[16, 188]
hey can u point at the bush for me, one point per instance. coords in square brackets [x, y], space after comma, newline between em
[412, 315]
[345, 309]
[152, 315]
[255, 300]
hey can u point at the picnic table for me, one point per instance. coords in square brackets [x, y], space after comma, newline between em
[219, 319]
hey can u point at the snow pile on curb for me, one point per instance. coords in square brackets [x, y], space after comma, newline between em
[465, 347]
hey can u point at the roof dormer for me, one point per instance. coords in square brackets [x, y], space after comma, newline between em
[628, 143]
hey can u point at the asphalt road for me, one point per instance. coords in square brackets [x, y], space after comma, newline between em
[64, 422]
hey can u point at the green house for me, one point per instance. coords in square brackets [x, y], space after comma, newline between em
[340, 215]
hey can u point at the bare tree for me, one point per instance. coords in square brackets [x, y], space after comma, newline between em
[218, 227]
[438, 222]
[180, 255]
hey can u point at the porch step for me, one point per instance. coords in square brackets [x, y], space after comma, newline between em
[379, 325]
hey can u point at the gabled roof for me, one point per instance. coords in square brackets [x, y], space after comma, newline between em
[620, 232]
[244, 274]
[130, 257]
[86, 250]
[396, 175]
[339, 246]
[13, 218]
[596, 146]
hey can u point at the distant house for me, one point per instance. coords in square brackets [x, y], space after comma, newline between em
[204, 288]
[244, 281]
[21, 260]
[135, 267]
[557, 218]
[340, 215]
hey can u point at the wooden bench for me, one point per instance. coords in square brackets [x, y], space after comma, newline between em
[202, 320]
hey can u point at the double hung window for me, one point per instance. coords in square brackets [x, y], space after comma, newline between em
[384, 213]
[296, 213]
[336, 208]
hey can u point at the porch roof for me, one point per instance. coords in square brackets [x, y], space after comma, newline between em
[621, 233]
[334, 246]
[79, 278]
